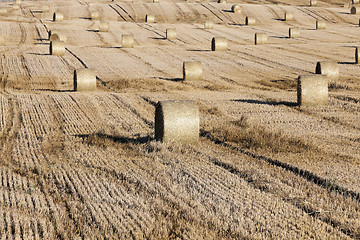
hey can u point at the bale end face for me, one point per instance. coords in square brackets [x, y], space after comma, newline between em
[329, 69]
[250, 21]
[320, 25]
[355, 10]
[57, 48]
[260, 38]
[56, 36]
[312, 90]
[218, 44]
[127, 41]
[84, 80]
[171, 33]
[236, 8]
[177, 121]
[192, 71]
[294, 33]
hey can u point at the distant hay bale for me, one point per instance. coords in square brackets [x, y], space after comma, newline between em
[18, 1]
[221, 1]
[149, 18]
[320, 24]
[261, 38]
[155, 1]
[288, 16]
[57, 48]
[84, 80]
[236, 8]
[218, 44]
[57, 36]
[95, 15]
[171, 33]
[127, 41]
[208, 24]
[329, 69]
[313, 3]
[45, 8]
[355, 10]
[312, 90]
[3, 11]
[355, 1]
[16, 6]
[178, 121]
[192, 71]
[294, 32]
[250, 21]
[104, 26]
[58, 17]
[357, 55]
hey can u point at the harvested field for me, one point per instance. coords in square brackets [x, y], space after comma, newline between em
[86, 165]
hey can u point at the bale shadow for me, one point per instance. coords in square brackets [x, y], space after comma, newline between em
[52, 90]
[92, 30]
[40, 54]
[172, 79]
[271, 103]
[198, 50]
[85, 18]
[279, 19]
[158, 38]
[347, 63]
[116, 139]
[228, 11]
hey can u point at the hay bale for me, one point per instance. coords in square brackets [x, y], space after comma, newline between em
[171, 33]
[218, 44]
[84, 80]
[192, 71]
[16, 6]
[250, 21]
[149, 18]
[221, 1]
[288, 16]
[4, 11]
[18, 2]
[357, 55]
[155, 1]
[355, 1]
[320, 25]
[45, 8]
[313, 3]
[57, 36]
[329, 69]
[127, 41]
[95, 15]
[177, 120]
[294, 32]
[58, 17]
[261, 38]
[236, 8]
[104, 26]
[208, 24]
[57, 48]
[312, 90]
[355, 10]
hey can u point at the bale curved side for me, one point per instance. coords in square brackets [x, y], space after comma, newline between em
[250, 21]
[58, 17]
[312, 90]
[149, 18]
[127, 41]
[320, 24]
[329, 69]
[294, 32]
[104, 26]
[313, 3]
[192, 71]
[236, 8]
[218, 44]
[84, 80]
[221, 1]
[355, 1]
[178, 121]
[288, 16]
[171, 33]
[261, 38]
[57, 48]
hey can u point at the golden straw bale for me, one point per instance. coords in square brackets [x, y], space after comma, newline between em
[127, 41]
[218, 44]
[355, 10]
[104, 26]
[236, 8]
[261, 38]
[221, 1]
[320, 24]
[58, 17]
[288, 16]
[250, 21]
[149, 18]
[84, 80]
[312, 90]
[177, 120]
[192, 71]
[56, 35]
[294, 32]
[313, 3]
[155, 1]
[355, 1]
[208, 24]
[171, 33]
[328, 68]
[57, 48]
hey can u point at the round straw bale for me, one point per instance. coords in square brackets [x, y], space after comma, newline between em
[16, 6]
[149, 18]
[250, 21]
[95, 15]
[177, 120]
[55, 35]
[2, 40]
[329, 69]
[260, 38]
[320, 24]
[218, 44]
[236, 8]
[355, 10]
[127, 41]
[3, 11]
[313, 3]
[155, 1]
[355, 1]
[18, 1]
[104, 26]
[192, 71]
[58, 17]
[288, 16]
[294, 32]
[84, 79]
[312, 90]
[57, 48]
[221, 1]
[171, 33]
[45, 8]
[208, 24]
